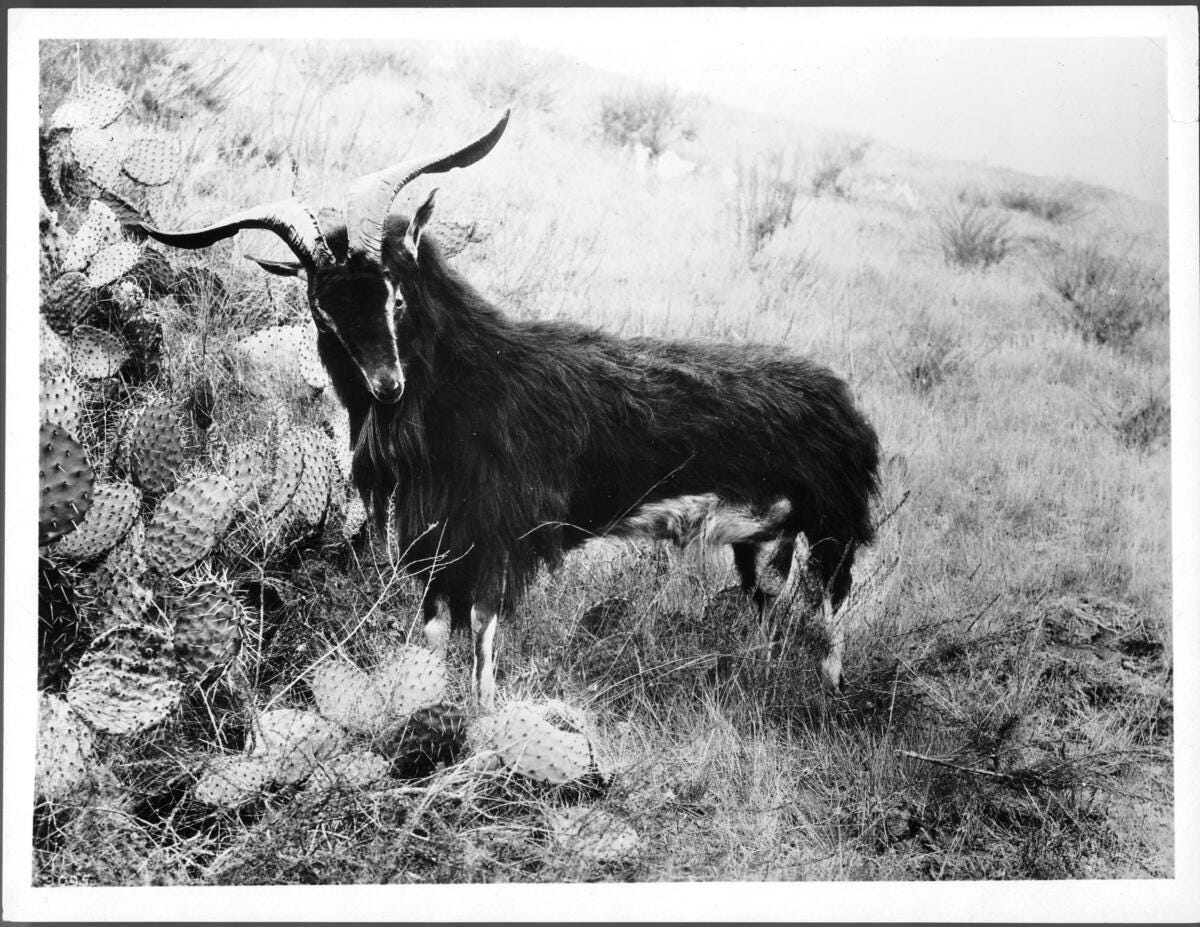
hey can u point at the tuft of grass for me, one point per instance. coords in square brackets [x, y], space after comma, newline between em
[972, 237]
[651, 116]
[832, 160]
[1144, 422]
[765, 198]
[1107, 298]
[1053, 207]
[932, 353]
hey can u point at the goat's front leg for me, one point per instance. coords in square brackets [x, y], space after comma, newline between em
[485, 615]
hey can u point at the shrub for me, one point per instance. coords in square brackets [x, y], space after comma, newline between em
[932, 352]
[653, 117]
[1049, 206]
[765, 196]
[1105, 298]
[971, 237]
[831, 161]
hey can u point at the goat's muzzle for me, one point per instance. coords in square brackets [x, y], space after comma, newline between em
[386, 388]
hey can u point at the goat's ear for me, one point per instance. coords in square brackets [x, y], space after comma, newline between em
[412, 237]
[282, 268]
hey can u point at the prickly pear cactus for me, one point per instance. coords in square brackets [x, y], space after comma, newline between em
[347, 695]
[114, 509]
[354, 515]
[208, 628]
[295, 742]
[97, 152]
[594, 835]
[112, 262]
[337, 423]
[64, 746]
[53, 356]
[126, 682]
[155, 449]
[96, 107]
[152, 159]
[289, 470]
[359, 769]
[61, 403]
[99, 230]
[316, 480]
[413, 678]
[282, 360]
[96, 354]
[66, 483]
[68, 300]
[121, 598]
[189, 522]
[529, 743]
[153, 273]
[233, 781]
[428, 738]
[246, 468]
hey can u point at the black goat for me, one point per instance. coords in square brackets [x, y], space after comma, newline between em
[521, 440]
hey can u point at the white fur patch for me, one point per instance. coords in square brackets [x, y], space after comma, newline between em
[704, 518]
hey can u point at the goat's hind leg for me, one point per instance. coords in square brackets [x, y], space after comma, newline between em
[831, 563]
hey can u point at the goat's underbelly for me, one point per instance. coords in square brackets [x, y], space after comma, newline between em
[704, 517]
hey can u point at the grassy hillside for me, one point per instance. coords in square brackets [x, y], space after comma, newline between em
[1008, 712]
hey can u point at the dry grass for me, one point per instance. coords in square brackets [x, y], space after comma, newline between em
[1008, 714]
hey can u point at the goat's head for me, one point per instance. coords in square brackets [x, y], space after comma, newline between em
[354, 286]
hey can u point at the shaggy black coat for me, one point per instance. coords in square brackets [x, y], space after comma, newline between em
[520, 440]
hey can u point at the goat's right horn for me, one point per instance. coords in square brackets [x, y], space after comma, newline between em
[371, 196]
[291, 220]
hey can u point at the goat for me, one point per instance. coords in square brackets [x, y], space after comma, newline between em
[521, 440]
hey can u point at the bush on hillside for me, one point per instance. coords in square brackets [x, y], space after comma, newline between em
[1106, 298]
[971, 237]
[653, 117]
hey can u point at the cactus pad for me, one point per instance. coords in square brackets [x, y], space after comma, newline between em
[121, 597]
[96, 354]
[155, 449]
[337, 424]
[208, 628]
[232, 781]
[347, 695]
[113, 510]
[64, 746]
[52, 353]
[354, 516]
[359, 769]
[289, 470]
[66, 483]
[282, 359]
[533, 746]
[246, 468]
[428, 738]
[153, 273]
[112, 262]
[68, 300]
[152, 160]
[316, 481]
[96, 107]
[61, 403]
[413, 678]
[126, 682]
[189, 522]
[99, 230]
[96, 152]
[295, 742]
[594, 835]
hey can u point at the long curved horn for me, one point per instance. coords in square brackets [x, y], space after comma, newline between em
[291, 220]
[371, 196]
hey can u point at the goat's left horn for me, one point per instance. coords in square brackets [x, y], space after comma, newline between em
[371, 196]
[291, 220]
